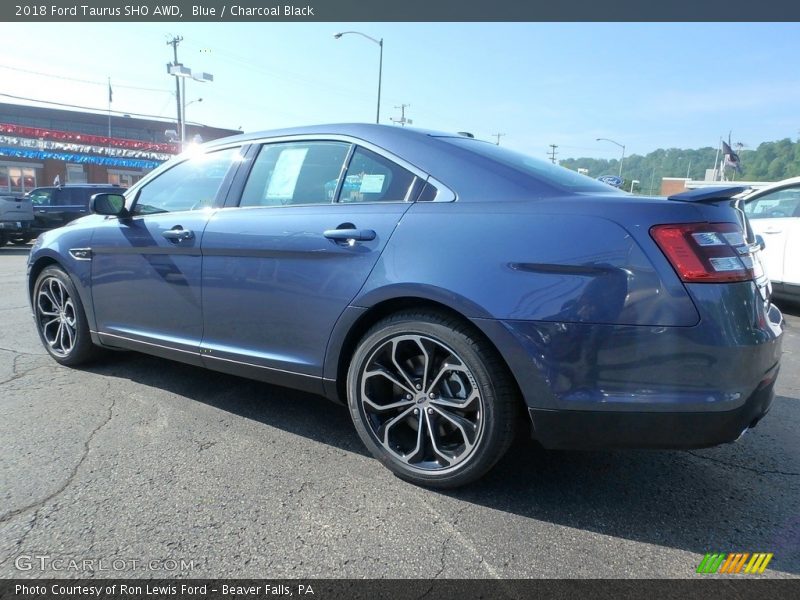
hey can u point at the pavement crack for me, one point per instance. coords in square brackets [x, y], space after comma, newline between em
[15, 372]
[735, 466]
[442, 566]
[21, 352]
[73, 473]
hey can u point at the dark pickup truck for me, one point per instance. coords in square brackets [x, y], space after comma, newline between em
[16, 218]
[54, 206]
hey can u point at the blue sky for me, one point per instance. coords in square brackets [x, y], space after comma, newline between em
[645, 85]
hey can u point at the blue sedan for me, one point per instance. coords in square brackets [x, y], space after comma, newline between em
[450, 292]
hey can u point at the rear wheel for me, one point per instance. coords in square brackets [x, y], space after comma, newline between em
[60, 318]
[21, 240]
[3, 239]
[431, 399]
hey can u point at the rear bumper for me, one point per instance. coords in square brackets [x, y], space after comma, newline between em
[596, 385]
[584, 430]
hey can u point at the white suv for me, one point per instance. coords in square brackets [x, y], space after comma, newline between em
[774, 214]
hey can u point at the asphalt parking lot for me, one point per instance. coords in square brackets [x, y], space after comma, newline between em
[170, 470]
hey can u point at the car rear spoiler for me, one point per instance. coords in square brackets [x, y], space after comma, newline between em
[710, 194]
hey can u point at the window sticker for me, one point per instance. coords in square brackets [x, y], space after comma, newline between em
[287, 170]
[372, 184]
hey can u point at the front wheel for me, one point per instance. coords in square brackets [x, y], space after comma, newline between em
[431, 399]
[60, 318]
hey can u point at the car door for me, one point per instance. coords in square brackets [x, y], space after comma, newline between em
[280, 268]
[774, 217]
[146, 268]
[47, 208]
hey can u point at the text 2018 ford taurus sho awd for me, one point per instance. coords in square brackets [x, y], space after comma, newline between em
[446, 289]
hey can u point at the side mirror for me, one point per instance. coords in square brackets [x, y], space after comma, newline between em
[108, 204]
[760, 241]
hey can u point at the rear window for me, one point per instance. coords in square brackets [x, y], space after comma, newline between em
[542, 170]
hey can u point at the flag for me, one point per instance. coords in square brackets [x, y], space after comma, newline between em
[110, 92]
[731, 158]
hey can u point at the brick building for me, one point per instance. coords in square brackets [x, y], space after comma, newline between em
[40, 146]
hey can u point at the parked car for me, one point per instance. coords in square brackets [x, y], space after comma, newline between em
[774, 214]
[442, 287]
[16, 217]
[55, 206]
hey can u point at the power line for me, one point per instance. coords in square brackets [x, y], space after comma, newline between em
[118, 112]
[77, 80]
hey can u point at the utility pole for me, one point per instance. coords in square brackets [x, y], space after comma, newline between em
[553, 153]
[402, 120]
[174, 43]
[498, 136]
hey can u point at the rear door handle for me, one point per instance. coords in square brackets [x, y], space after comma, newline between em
[178, 234]
[345, 235]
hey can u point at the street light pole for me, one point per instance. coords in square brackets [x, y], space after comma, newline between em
[380, 77]
[623, 151]
[380, 64]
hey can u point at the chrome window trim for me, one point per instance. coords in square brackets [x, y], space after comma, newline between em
[445, 192]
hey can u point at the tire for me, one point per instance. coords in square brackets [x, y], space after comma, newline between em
[61, 319]
[431, 399]
[3, 239]
[21, 241]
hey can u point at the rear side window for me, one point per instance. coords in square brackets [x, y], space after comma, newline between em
[373, 178]
[780, 204]
[65, 197]
[190, 185]
[295, 173]
[542, 170]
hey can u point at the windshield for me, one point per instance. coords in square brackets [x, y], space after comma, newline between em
[542, 170]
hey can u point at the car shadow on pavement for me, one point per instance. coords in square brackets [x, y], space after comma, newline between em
[719, 500]
[732, 498]
[789, 308]
[304, 414]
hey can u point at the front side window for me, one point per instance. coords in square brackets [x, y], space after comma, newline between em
[373, 178]
[779, 204]
[295, 173]
[190, 185]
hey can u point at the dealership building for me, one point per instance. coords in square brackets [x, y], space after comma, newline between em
[42, 146]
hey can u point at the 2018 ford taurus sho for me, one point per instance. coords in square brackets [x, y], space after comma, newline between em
[449, 291]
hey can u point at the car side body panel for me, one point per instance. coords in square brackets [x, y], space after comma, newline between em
[274, 285]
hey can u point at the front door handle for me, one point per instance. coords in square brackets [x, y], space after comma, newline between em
[345, 235]
[178, 234]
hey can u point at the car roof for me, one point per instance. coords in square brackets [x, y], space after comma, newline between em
[778, 185]
[369, 131]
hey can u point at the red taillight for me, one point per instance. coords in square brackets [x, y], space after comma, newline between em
[705, 252]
